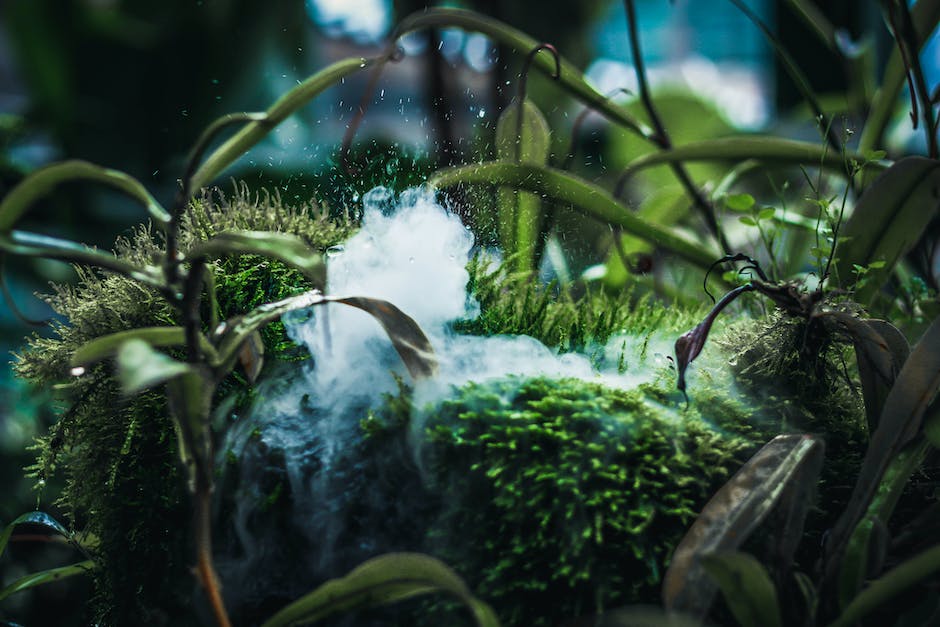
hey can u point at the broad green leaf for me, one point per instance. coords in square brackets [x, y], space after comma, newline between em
[44, 180]
[739, 202]
[900, 422]
[748, 591]
[107, 346]
[31, 518]
[732, 515]
[888, 220]
[925, 14]
[33, 245]
[858, 555]
[882, 590]
[287, 104]
[570, 79]
[46, 576]
[522, 136]
[285, 247]
[585, 197]
[139, 366]
[767, 149]
[380, 581]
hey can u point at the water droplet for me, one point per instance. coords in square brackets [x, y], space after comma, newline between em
[481, 113]
[335, 251]
[411, 259]
[77, 371]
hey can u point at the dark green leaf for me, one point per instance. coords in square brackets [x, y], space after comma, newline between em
[44, 180]
[379, 581]
[286, 105]
[31, 518]
[285, 247]
[524, 140]
[33, 245]
[732, 515]
[46, 576]
[888, 220]
[107, 346]
[584, 196]
[899, 423]
[746, 587]
[139, 366]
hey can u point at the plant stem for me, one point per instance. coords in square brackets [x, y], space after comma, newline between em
[661, 137]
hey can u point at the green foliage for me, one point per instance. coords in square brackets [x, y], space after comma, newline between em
[119, 455]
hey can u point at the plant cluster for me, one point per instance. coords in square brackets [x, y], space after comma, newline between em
[156, 331]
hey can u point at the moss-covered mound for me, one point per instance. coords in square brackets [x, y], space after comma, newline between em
[118, 456]
[554, 499]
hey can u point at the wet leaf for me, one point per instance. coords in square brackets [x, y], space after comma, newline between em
[287, 104]
[888, 221]
[139, 366]
[899, 423]
[33, 245]
[46, 576]
[285, 247]
[585, 197]
[32, 518]
[380, 581]
[42, 181]
[732, 515]
[746, 587]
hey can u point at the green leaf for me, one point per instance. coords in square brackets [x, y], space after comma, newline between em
[522, 136]
[139, 366]
[33, 245]
[739, 202]
[380, 581]
[586, 197]
[900, 422]
[44, 180]
[768, 149]
[31, 518]
[734, 512]
[46, 576]
[570, 79]
[856, 565]
[285, 247]
[287, 104]
[746, 587]
[888, 220]
[767, 213]
[890, 585]
[748, 220]
[107, 346]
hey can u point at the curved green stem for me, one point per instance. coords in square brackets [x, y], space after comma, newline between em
[586, 197]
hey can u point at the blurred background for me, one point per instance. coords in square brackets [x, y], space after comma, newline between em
[131, 84]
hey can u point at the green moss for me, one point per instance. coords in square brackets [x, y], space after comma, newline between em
[118, 455]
